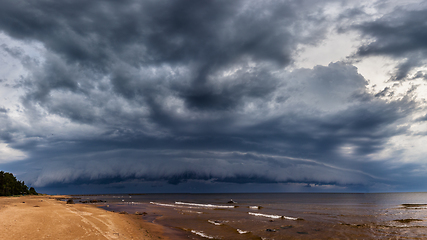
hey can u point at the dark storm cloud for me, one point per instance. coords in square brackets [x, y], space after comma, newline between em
[116, 39]
[102, 38]
[422, 119]
[248, 154]
[181, 91]
[176, 166]
[7, 130]
[209, 35]
[400, 34]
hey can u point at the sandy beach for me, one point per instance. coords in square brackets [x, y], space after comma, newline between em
[44, 217]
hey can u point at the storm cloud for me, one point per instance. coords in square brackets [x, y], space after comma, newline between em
[145, 95]
[398, 35]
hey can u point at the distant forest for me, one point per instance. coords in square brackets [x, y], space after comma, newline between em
[10, 186]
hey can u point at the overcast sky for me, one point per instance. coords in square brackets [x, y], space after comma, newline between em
[214, 96]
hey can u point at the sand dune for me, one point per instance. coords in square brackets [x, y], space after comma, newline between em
[43, 217]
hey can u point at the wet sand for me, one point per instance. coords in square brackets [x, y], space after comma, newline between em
[44, 217]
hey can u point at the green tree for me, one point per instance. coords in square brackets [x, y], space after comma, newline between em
[9, 185]
[32, 191]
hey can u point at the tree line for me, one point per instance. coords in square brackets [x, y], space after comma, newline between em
[10, 186]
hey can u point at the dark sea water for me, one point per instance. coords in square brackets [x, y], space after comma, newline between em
[280, 215]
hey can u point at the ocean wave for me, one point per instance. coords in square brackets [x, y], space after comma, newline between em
[173, 205]
[202, 234]
[241, 231]
[217, 223]
[272, 216]
[255, 207]
[204, 205]
[164, 204]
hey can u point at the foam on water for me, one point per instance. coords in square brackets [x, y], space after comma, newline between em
[204, 205]
[164, 204]
[271, 216]
[202, 234]
[215, 222]
[172, 205]
[254, 207]
[241, 231]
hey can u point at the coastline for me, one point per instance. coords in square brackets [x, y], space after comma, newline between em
[44, 217]
[188, 216]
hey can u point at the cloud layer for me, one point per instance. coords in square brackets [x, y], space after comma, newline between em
[183, 92]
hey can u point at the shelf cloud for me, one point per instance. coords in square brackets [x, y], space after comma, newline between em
[186, 95]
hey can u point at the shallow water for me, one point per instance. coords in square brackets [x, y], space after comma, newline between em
[280, 215]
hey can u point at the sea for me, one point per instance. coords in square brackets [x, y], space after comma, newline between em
[276, 215]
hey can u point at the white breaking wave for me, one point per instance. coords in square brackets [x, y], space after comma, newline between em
[241, 231]
[271, 216]
[202, 234]
[205, 205]
[255, 207]
[164, 204]
[215, 222]
[172, 205]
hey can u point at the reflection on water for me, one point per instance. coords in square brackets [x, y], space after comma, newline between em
[281, 216]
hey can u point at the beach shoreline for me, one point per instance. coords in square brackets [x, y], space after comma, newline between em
[45, 217]
[277, 215]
